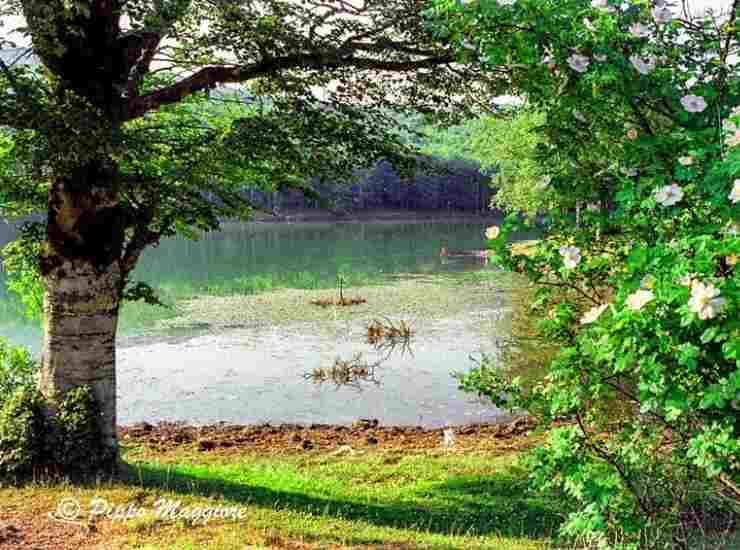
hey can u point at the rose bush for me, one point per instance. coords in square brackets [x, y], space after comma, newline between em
[644, 292]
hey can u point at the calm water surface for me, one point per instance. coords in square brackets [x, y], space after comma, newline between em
[204, 374]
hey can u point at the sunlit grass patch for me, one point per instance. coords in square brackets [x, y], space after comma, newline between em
[418, 500]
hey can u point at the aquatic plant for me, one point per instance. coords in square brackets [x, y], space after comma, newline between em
[347, 372]
[380, 331]
[341, 301]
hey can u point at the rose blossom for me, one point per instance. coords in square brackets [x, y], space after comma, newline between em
[693, 103]
[578, 63]
[705, 300]
[669, 195]
[638, 299]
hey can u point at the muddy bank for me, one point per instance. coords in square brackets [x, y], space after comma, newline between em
[363, 436]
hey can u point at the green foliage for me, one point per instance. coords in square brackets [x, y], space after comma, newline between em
[17, 369]
[29, 440]
[78, 446]
[451, 142]
[69, 441]
[23, 433]
[641, 291]
[21, 261]
[512, 146]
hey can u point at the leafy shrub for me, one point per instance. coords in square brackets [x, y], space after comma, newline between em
[641, 123]
[23, 432]
[78, 444]
[17, 369]
[30, 441]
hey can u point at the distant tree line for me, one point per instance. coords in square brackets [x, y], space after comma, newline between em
[444, 184]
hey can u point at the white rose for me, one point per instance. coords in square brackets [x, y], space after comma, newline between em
[735, 193]
[734, 139]
[571, 256]
[593, 314]
[638, 30]
[662, 14]
[638, 299]
[669, 195]
[644, 65]
[578, 63]
[705, 300]
[493, 232]
[693, 103]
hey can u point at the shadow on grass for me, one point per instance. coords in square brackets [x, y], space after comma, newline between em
[497, 505]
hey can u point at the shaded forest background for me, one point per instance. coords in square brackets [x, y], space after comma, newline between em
[454, 185]
[449, 176]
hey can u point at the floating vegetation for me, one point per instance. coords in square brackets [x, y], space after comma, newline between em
[350, 372]
[341, 300]
[382, 331]
[450, 295]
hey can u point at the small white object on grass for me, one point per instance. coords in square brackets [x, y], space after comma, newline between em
[344, 450]
[449, 437]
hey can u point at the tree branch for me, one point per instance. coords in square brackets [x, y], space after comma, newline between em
[209, 77]
[141, 57]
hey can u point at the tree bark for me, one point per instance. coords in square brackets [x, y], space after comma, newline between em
[81, 268]
[80, 322]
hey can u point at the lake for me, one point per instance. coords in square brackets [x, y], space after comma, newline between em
[241, 338]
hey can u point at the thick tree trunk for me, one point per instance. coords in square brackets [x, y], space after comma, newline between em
[81, 266]
[80, 321]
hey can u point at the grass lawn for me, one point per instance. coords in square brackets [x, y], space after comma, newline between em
[391, 498]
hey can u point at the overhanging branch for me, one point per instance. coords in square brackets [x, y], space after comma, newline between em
[209, 77]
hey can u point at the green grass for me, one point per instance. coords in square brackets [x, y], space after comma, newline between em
[380, 500]
[410, 498]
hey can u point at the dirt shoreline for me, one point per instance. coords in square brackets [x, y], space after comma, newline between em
[362, 436]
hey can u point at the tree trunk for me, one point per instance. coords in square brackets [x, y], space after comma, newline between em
[80, 322]
[81, 266]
